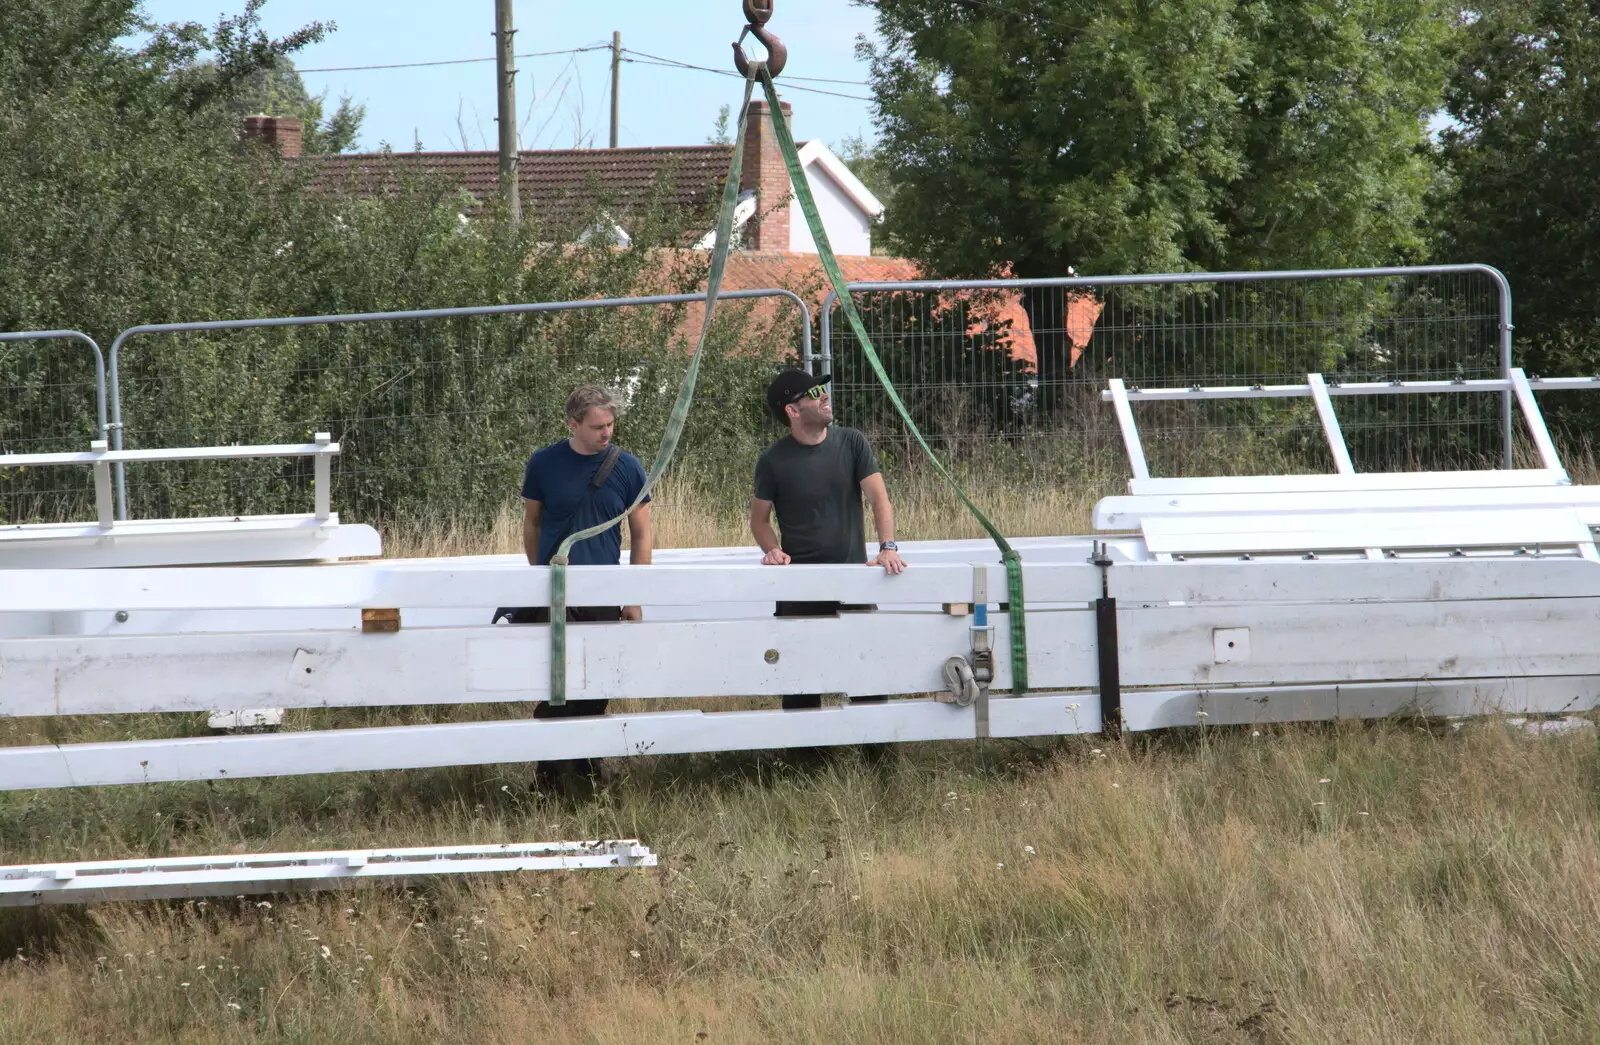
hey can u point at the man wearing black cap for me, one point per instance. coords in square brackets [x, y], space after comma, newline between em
[815, 478]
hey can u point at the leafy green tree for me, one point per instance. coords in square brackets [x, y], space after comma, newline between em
[127, 197]
[1035, 137]
[1523, 157]
[1156, 135]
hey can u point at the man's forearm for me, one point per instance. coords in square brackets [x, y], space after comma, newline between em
[883, 519]
[764, 534]
[530, 543]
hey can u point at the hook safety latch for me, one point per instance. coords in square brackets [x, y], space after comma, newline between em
[756, 13]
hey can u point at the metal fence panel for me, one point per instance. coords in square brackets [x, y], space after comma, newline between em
[436, 410]
[52, 398]
[1007, 374]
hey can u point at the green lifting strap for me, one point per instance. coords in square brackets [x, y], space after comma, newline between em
[669, 440]
[1008, 555]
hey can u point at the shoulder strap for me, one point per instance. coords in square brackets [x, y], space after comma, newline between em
[609, 462]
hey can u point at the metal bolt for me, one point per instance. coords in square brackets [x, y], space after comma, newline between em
[122, 616]
[771, 656]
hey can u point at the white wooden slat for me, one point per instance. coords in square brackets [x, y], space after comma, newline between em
[1127, 512]
[859, 654]
[1357, 531]
[1391, 580]
[1244, 706]
[1222, 484]
[1356, 642]
[373, 584]
[530, 740]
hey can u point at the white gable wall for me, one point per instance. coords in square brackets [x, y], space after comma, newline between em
[849, 228]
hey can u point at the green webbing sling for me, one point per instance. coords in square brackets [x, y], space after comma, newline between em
[669, 441]
[1008, 555]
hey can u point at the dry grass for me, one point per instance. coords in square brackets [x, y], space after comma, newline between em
[1438, 886]
[686, 514]
[1362, 883]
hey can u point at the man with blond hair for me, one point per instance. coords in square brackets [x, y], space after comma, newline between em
[569, 486]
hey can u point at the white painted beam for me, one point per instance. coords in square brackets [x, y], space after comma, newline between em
[531, 740]
[1245, 706]
[1278, 484]
[376, 585]
[858, 654]
[1360, 642]
[1392, 580]
[1128, 512]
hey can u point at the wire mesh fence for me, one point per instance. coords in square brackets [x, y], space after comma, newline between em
[1007, 375]
[49, 403]
[436, 416]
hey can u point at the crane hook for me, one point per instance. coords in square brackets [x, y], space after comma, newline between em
[756, 13]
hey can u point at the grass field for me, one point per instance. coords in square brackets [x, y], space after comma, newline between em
[1399, 881]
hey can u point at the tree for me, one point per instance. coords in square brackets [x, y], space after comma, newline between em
[1120, 136]
[277, 90]
[1523, 157]
[127, 196]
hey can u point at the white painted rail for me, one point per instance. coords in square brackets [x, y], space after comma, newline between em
[258, 873]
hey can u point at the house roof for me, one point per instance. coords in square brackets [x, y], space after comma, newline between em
[561, 186]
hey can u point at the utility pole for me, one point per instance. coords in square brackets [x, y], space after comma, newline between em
[506, 75]
[616, 83]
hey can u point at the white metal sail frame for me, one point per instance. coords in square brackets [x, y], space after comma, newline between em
[1236, 600]
[256, 873]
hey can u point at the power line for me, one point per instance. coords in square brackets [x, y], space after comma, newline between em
[786, 79]
[454, 61]
[669, 63]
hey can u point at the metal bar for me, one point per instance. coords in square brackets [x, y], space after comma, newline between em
[1105, 621]
[104, 502]
[235, 874]
[1295, 391]
[99, 362]
[322, 479]
[1130, 431]
[117, 422]
[1535, 421]
[1330, 425]
[180, 453]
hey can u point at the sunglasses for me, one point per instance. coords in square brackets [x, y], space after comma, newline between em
[814, 392]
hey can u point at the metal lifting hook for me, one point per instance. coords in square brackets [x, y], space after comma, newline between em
[756, 13]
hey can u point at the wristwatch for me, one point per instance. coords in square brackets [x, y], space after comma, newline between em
[888, 546]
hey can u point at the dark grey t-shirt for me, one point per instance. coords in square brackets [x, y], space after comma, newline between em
[817, 493]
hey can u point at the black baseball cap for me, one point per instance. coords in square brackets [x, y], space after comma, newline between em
[788, 387]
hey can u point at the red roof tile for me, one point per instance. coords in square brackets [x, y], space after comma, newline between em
[561, 186]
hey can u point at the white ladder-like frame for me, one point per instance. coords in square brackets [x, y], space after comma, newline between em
[1395, 511]
[28, 885]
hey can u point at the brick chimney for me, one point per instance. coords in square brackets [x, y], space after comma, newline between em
[282, 133]
[764, 171]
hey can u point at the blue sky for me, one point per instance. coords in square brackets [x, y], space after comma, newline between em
[563, 100]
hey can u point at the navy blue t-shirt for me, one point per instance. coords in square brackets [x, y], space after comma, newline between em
[558, 477]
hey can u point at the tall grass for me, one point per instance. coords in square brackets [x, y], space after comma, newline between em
[1313, 883]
